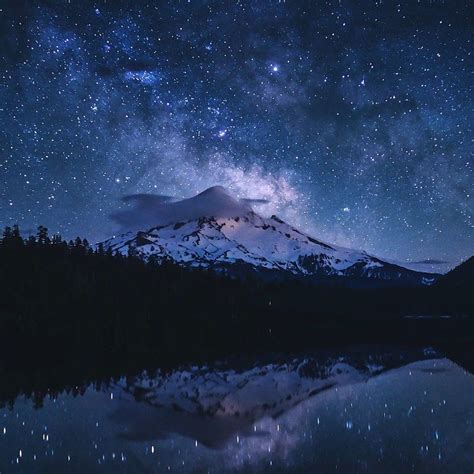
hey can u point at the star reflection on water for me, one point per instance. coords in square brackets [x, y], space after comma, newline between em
[294, 416]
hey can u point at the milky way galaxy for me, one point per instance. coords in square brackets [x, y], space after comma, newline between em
[353, 119]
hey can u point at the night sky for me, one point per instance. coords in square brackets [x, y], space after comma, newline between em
[353, 118]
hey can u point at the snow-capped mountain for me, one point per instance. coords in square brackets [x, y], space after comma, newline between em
[213, 405]
[216, 230]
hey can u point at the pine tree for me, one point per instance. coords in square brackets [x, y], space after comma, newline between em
[132, 251]
[42, 234]
[56, 240]
[16, 239]
[12, 237]
[16, 232]
[7, 233]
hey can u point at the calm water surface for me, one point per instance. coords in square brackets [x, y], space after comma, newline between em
[288, 417]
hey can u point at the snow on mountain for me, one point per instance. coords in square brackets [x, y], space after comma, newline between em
[214, 229]
[226, 401]
[150, 210]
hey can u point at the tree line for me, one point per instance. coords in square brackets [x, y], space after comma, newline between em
[73, 312]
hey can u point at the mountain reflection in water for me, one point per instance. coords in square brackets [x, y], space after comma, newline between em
[388, 412]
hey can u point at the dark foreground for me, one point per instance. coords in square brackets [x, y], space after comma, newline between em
[71, 315]
[174, 374]
[39, 372]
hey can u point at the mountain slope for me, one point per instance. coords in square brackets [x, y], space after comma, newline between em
[460, 277]
[213, 229]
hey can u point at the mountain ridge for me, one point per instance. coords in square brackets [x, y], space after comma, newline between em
[216, 230]
[461, 277]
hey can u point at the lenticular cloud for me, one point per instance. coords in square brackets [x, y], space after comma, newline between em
[150, 210]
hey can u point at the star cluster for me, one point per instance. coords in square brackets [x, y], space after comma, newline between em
[354, 119]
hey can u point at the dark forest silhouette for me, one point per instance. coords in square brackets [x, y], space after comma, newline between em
[71, 313]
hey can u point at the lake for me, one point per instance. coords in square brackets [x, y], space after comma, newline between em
[388, 410]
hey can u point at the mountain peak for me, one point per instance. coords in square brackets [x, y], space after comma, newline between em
[148, 210]
[215, 201]
[216, 229]
[216, 191]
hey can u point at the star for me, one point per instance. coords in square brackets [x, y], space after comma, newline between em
[297, 110]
